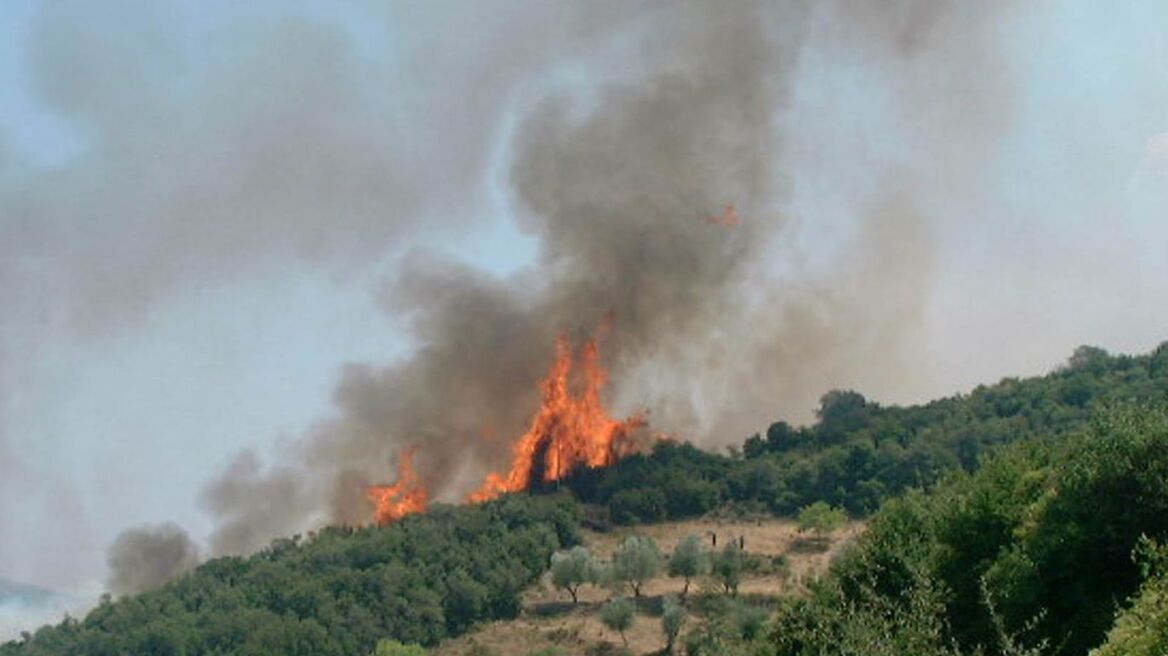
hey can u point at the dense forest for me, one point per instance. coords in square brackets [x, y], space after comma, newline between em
[1013, 520]
[336, 591]
[1032, 554]
[859, 453]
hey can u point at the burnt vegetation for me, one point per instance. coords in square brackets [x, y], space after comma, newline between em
[1026, 517]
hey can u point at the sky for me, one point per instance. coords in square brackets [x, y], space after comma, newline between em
[207, 212]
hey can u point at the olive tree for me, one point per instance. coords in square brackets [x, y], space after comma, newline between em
[636, 561]
[572, 569]
[728, 566]
[618, 616]
[690, 559]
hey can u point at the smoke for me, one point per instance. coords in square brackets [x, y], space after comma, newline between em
[147, 557]
[870, 149]
[253, 506]
[189, 150]
[702, 328]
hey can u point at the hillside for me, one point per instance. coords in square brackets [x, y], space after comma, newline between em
[788, 559]
[1036, 493]
[1034, 554]
[859, 453]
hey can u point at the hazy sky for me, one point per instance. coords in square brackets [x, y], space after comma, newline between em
[201, 205]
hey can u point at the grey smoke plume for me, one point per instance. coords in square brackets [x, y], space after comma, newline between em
[340, 142]
[147, 557]
[702, 333]
[249, 142]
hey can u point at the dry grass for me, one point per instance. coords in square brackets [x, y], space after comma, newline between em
[549, 620]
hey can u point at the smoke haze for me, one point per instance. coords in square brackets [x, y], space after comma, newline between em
[144, 558]
[921, 187]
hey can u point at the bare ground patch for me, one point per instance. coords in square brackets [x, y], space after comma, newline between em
[550, 621]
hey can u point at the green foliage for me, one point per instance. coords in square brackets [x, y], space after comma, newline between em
[1029, 555]
[728, 566]
[821, 518]
[863, 622]
[636, 506]
[395, 648]
[1035, 501]
[618, 615]
[727, 628]
[338, 592]
[636, 561]
[672, 619]
[749, 620]
[690, 559]
[573, 568]
[859, 453]
[1142, 628]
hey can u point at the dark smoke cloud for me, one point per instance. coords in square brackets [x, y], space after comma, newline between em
[702, 334]
[147, 557]
[257, 140]
[302, 142]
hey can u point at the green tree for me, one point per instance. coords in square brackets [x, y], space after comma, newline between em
[821, 519]
[690, 559]
[728, 566]
[1142, 629]
[618, 616]
[636, 561]
[672, 619]
[572, 569]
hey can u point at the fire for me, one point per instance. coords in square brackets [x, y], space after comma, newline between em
[729, 217]
[404, 497]
[572, 428]
[569, 430]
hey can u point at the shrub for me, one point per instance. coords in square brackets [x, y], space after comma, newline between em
[618, 615]
[672, 619]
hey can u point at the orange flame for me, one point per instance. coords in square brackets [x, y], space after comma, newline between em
[729, 217]
[570, 430]
[404, 497]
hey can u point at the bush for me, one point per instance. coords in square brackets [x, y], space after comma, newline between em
[728, 567]
[618, 615]
[672, 619]
[637, 506]
[821, 519]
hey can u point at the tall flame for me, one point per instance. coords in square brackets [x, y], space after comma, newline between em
[569, 430]
[404, 497]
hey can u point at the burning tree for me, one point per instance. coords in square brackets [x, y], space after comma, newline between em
[569, 430]
[406, 496]
[572, 428]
